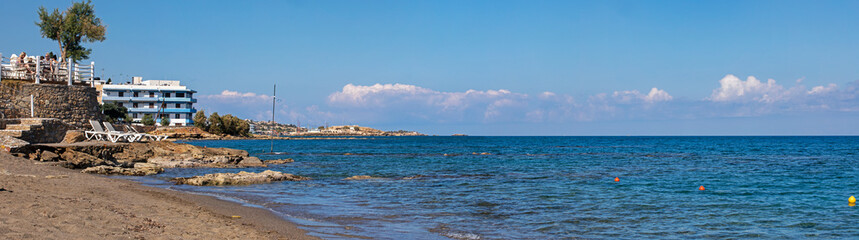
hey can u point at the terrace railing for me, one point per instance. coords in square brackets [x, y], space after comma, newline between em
[40, 70]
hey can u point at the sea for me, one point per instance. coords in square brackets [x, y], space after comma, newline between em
[554, 187]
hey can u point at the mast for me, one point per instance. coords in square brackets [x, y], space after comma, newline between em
[273, 97]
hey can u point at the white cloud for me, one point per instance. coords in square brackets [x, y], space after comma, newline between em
[733, 89]
[404, 103]
[655, 95]
[822, 90]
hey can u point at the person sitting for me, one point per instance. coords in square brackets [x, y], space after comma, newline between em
[51, 61]
[24, 62]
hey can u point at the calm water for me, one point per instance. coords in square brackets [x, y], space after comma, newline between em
[559, 187]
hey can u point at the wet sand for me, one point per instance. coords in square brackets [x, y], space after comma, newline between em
[40, 201]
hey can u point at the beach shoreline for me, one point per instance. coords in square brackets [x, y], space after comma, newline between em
[39, 200]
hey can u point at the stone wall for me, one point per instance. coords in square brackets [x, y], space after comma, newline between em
[74, 105]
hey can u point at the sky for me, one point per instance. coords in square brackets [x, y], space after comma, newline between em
[491, 67]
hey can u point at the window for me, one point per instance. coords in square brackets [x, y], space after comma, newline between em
[178, 116]
[134, 115]
[178, 105]
[180, 94]
[119, 104]
[166, 94]
[121, 94]
[151, 105]
[135, 105]
[136, 94]
[151, 94]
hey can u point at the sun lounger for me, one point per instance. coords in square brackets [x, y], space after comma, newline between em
[99, 133]
[150, 136]
[129, 136]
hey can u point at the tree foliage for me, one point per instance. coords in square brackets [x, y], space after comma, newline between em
[227, 124]
[200, 120]
[148, 120]
[113, 112]
[165, 121]
[71, 28]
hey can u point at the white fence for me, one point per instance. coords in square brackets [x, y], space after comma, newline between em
[39, 70]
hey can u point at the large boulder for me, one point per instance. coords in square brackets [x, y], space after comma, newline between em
[48, 156]
[77, 160]
[251, 162]
[11, 144]
[73, 136]
[113, 170]
[241, 178]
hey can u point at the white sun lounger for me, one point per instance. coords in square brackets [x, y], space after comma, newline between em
[128, 136]
[96, 133]
[150, 136]
[99, 133]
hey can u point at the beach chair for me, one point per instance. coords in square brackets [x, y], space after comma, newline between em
[128, 136]
[99, 133]
[150, 136]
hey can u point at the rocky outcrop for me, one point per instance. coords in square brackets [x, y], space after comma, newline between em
[361, 177]
[48, 156]
[279, 161]
[73, 136]
[77, 160]
[114, 170]
[161, 154]
[241, 178]
[11, 144]
[188, 132]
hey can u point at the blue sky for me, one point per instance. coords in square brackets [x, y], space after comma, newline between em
[493, 67]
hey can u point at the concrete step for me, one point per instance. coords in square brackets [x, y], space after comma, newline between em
[22, 127]
[12, 133]
[31, 121]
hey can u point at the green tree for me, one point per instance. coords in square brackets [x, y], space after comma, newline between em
[215, 124]
[76, 25]
[165, 121]
[113, 112]
[200, 120]
[235, 126]
[127, 119]
[148, 120]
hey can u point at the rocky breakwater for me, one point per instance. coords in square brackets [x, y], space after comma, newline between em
[137, 158]
[240, 178]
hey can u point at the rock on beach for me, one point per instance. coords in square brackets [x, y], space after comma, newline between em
[240, 178]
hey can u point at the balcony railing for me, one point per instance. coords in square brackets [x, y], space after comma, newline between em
[162, 110]
[38, 70]
[149, 99]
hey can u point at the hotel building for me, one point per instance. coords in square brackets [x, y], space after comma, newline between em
[157, 98]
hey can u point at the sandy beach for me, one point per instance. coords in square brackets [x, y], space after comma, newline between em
[40, 201]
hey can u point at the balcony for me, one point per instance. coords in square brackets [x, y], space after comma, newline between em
[162, 110]
[148, 99]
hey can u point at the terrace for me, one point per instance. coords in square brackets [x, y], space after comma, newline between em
[37, 69]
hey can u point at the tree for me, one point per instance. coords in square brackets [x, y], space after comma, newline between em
[165, 121]
[127, 119]
[76, 25]
[148, 120]
[200, 120]
[112, 112]
[215, 124]
[233, 125]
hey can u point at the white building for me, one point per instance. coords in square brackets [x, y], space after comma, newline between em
[157, 98]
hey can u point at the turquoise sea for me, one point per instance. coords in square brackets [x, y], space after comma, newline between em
[557, 187]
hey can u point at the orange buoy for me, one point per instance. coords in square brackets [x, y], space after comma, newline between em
[616, 179]
[701, 188]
